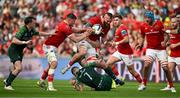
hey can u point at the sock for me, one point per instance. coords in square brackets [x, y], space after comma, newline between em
[10, 79]
[145, 82]
[115, 71]
[170, 83]
[50, 84]
[50, 77]
[138, 78]
[71, 63]
[110, 73]
[44, 75]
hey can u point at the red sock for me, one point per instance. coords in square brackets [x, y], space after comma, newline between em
[170, 84]
[115, 71]
[145, 82]
[138, 78]
[71, 63]
[50, 78]
[44, 75]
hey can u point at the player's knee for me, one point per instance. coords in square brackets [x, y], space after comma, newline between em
[147, 64]
[165, 68]
[171, 67]
[19, 68]
[164, 63]
[53, 64]
[82, 53]
[148, 61]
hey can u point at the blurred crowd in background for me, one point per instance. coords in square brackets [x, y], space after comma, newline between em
[49, 12]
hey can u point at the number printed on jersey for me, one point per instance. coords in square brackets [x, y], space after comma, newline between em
[88, 76]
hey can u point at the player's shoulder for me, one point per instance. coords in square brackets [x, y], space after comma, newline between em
[23, 28]
[142, 24]
[95, 19]
[158, 22]
[122, 26]
[62, 26]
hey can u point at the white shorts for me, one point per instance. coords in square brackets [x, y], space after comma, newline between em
[174, 60]
[91, 51]
[160, 54]
[50, 52]
[127, 59]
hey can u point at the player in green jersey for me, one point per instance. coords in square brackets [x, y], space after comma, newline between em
[88, 76]
[19, 42]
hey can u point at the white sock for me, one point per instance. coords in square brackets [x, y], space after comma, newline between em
[50, 84]
[51, 71]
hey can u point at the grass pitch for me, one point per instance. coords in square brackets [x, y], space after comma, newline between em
[29, 89]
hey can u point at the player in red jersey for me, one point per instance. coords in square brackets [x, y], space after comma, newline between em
[174, 57]
[86, 48]
[124, 51]
[156, 39]
[93, 41]
[63, 30]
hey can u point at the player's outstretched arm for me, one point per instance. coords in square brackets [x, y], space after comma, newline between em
[140, 42]
[78, 37]
[78, 30]
[46, 34]
[19, 42]
[77, 86]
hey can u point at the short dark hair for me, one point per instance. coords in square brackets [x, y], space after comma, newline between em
[72, 69]
[119, 16]
[71, 16]
[109, 14]
[29, 19]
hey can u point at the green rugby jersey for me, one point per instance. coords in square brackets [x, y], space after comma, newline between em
[90, 77]
[24, 35]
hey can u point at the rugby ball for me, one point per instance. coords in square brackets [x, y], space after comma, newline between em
[97, 29]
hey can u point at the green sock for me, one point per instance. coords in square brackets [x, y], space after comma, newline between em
[10, 79]
[110, 73]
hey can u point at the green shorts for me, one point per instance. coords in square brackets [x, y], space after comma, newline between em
[15, 55]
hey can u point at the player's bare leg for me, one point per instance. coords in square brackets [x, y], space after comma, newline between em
[147, 63]
[171, 66]
[77, 57]
[51, 71]
[17, 68]
[169, 76]
[134, 73]
[41, 83]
